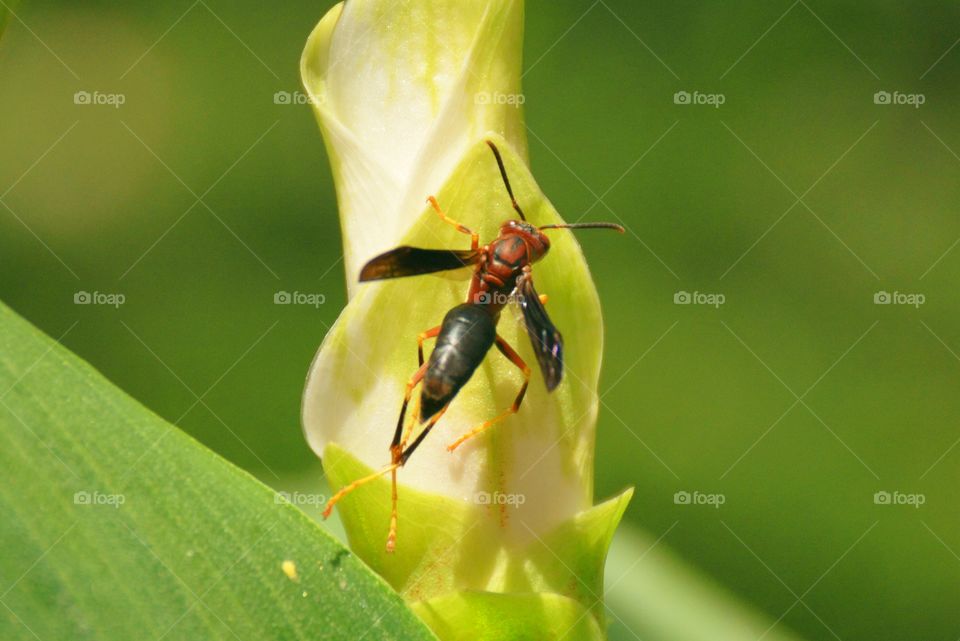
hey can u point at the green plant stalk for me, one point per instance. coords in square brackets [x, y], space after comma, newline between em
[662, 598]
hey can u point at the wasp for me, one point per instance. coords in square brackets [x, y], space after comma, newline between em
[502, 273]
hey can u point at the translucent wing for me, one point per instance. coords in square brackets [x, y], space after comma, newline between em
[413, 261]
[546, 340]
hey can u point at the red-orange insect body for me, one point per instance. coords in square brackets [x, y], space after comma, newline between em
[502, 261]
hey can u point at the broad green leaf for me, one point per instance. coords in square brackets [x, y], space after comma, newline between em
[117, 526]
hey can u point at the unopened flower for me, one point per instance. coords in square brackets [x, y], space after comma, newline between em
[500, 535]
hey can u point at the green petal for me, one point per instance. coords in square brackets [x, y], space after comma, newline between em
[485, 616]
[575, 553]
[398, 89]
[447, 546]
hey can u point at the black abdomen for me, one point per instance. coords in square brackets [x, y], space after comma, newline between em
[466, 335]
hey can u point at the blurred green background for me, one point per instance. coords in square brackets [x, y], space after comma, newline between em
[798, 199]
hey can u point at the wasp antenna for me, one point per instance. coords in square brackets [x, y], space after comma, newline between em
[506, 181]
[613, 226]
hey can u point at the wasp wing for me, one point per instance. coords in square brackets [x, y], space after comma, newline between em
[546, 339]
[413, 261]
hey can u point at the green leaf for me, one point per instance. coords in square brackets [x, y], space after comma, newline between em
[116, 525]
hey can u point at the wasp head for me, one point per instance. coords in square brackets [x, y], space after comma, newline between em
[537, 244]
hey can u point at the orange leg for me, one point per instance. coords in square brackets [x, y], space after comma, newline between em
[474, 236]
[408, 452]
[392, 532]
[400, 457]
[430, 333]
[396, 452]
[410, 425]
[397, 458]
[359, 482]
[411, 384]
[399, 453]
[399, 443]
[514, 358]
